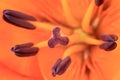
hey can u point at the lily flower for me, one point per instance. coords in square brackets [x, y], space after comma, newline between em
[59, 40]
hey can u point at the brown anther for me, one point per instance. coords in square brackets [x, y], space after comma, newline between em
[57, 39]
[18, 14]
[114, 37]
[109, 38]
[25, 45]
[105, 37]
[61, 66]
[25, 50]
[99, 2]
[54, 68]
[17, 20]
[109, 46]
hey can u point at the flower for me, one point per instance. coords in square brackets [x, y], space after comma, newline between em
[60, 39]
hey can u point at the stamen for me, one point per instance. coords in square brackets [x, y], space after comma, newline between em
[108, 46]
[93, 41]
[57, 39]
[26, 45]
[25, 50]
[50, 27]
[114, 37]
[73, 49]
[18, 14]
[105, 37]
[86, 20]
[71, 20]
[55, 67]
[99, 2]
[42, 44]
[18, 22]
[61, 66]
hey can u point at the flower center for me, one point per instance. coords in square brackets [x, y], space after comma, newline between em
[76, 39]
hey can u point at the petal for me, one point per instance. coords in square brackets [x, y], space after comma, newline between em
[47, 60]
[10, 36]
[4, 70]
[78, 8]
[106, 63]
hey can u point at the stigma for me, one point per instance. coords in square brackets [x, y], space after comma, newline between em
[57, 38]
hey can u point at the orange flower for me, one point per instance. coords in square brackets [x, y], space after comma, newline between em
[69, 40]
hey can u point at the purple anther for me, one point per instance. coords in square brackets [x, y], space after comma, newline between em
[17, 21]
[25, 50]
[109, 38]
[99, 2]
[18, 14]
[108, 46]
[26, 45]
[57, 39]
[55, 67]
[114, 37]
[61, 66]
[105, 37]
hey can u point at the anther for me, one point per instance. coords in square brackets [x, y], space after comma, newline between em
[18, 14]
[114, 37]
[61, 66]
[110, 42]
[99, 2]
[25, 50]
[26, 45]
[105, 37]
[108, 46]
[109, 38]
[57, 39]
[17, 21]
[54, 68]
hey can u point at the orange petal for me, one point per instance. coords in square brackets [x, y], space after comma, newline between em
[48, 58]
[5, 71]
[12, 35]
[106, 63]
[78, 8]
